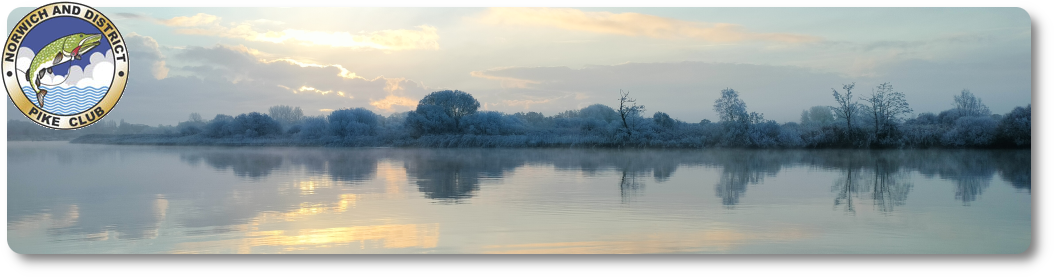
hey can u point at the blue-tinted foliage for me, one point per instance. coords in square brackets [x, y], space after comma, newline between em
[313, 128]
[451, 119]
[492, 123]
[972, 131]
[1016, 126]
[353, 122]
[454, 103]
[255, 124]
[430, 119]
[664, 121]
[249, 125]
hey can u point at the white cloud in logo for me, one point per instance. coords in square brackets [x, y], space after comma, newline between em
[98, 73]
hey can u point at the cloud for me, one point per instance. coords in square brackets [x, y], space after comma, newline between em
[240, 63]
[147, 52]
[200, 19]
[132, 16]
[505, 81]
[634, 24]
[344, 72]
[98, 73]
[388, 103]
[526, 103]
[423, 37]
[233, 79]
[685, 90]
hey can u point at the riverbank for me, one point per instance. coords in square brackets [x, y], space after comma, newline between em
[435, 141]
[440, 141]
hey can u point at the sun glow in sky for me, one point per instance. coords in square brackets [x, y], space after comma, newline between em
[674, 60]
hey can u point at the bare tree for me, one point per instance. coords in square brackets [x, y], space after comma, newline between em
[195, 117]
[627, 109]
[285, 114]
[846, 107]
[885, 106]
[969, 105]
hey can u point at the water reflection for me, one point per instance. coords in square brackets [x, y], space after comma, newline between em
[243, 163]
[845, 189]
[881, 180]
[307, 199]
[706, 241]
[281, 241]
[741, 169]
[453, 175]
[1012, 168]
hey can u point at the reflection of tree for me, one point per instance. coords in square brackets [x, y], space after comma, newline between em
[632, 166]
[454, 174]
[445, 179]
[733, 184]
[1016, 168]
[243, 163]
[970, 170]
[629, 185]
[968, 188]
[352, 166]
[881, 180]
[971, 178]
[887, 186]
[740, 169]
[129, 206]
[663, 171]
[845, 188]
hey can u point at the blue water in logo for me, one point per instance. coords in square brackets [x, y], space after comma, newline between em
[68, 100]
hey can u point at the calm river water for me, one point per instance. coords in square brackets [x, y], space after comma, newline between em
[70, 198]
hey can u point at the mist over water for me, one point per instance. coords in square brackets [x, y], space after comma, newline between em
[73, 198]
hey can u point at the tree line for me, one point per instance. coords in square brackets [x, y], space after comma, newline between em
[451, 118]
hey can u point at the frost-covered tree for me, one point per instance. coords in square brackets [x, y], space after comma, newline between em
[663, 120]
[430, 119]
[1016, 126]
[492, 123]
[846, 106]
[535, 119]
[353, 122]
[972, 131]
[818, 116]
[256, 124]
[286, 115]
[884, 106]
[729, 107]
[628, 111]
[454, 103]
[252, 124]
[737, 123]
[313, 128]
[969, 105]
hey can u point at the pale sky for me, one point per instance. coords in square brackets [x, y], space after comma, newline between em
[674, 60]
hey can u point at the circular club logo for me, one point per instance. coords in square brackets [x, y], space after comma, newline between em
[65, 65]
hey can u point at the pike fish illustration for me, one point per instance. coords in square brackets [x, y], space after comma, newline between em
[57, 52]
